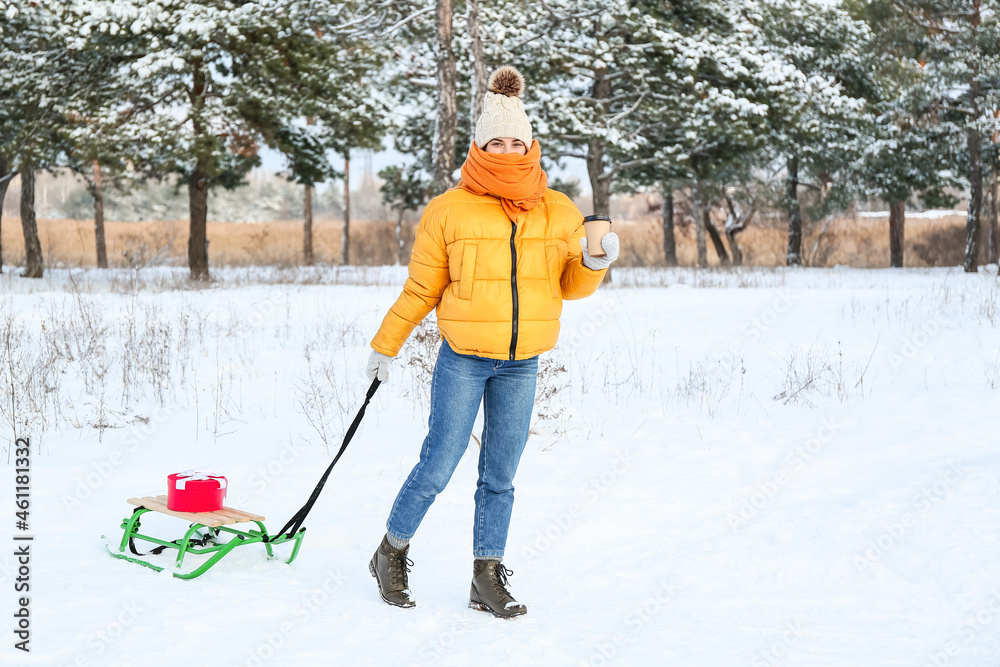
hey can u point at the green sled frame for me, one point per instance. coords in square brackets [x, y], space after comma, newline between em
[202, 536]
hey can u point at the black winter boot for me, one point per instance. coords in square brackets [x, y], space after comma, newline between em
[489, 590]
[389, 567]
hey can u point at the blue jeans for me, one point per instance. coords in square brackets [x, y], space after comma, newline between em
[460, 383]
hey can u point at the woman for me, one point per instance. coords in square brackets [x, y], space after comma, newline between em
[496, 255]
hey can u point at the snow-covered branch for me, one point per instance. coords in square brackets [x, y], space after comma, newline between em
[569, 17]
[614, 119]
[401, 23]
[424, 83]
[927, 25]
[631, 164]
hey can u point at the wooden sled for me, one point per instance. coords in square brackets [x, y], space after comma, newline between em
[202, 537]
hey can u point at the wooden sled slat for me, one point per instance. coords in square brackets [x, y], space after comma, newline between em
[223, 517]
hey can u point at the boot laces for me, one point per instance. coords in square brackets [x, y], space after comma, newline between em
[399, 565]
[500, 583]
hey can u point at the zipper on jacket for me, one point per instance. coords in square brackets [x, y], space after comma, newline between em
[513, 289]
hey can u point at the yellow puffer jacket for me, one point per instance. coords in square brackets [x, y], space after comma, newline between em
[461, 262]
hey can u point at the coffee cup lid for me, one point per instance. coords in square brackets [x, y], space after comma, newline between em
[591, 218]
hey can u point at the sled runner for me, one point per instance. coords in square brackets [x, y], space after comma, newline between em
[204, 536]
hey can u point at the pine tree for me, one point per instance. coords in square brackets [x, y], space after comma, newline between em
[907, 146]
[102, 154]
[585, 82]
[231, 76]
[413, 86]
[959, 50]
[684, 102]
[344, 111]
[33, 109]
[50, 79]
[814, 119]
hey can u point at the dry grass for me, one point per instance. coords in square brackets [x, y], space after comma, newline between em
[71, 242]
[858, 242]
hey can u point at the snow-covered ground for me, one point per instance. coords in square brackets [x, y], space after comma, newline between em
[757, 467]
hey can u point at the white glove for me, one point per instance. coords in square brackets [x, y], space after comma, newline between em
[609, 242]
[378, 365]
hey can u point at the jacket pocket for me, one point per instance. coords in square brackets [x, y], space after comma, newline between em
[554, 256]
[468, 271]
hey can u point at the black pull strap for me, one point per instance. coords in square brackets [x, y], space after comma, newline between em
[295, 522]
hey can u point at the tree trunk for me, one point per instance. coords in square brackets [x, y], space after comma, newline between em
[983, 244]
[794, 255]
[669, 242]
[345, 230]
[734, 245]
[975, 159]
[33, 266]
[975, 202]
[198, 210]
[720, 248]
[994, 242]
[736, 223]
[400, 260]
[102, 249]
[198, 183]
[308, 257]
[307, 228]
[478, 66]
[698, 206]
[600, 185]
[5, 178]
[897, 218]
[447, 115]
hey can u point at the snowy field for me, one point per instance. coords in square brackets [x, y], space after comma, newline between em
[758, 467]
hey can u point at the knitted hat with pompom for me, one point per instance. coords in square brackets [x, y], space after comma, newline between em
[503, 112]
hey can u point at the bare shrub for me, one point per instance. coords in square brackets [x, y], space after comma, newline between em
[706, 384]
[320, 397]
[939, 245]
[641, 245]
[816, 371]
[374, 244]
[419, 354]
[29, 382]
[993, 373]
[255, 245]
[552, 380]
[326, 395]
[226, 401]
[151, 248]
[146, 352]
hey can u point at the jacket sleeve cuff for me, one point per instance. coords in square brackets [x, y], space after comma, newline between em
[392, 334]
[578, 281]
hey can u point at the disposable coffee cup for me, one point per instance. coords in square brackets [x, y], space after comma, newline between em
[596, 226]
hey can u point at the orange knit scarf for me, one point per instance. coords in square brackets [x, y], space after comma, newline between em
[518, 180]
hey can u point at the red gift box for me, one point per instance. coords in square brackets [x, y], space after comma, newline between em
[192, 491]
